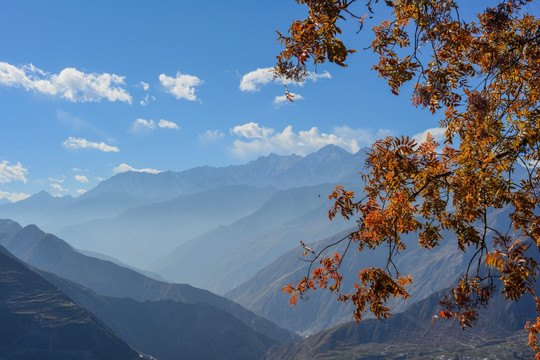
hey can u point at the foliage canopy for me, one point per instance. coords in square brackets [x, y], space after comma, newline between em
[481, 78]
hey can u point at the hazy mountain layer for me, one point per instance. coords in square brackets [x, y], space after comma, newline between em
[227, 256]
[55, 213]
[32, 209]
[81, 210]
[97, 255]
[41, 322]
[142, 235]
[48, 252]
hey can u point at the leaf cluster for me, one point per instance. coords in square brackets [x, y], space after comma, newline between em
[481, 79]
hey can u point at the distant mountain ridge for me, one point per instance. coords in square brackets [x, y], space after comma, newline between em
[34, 207]
[329, 164]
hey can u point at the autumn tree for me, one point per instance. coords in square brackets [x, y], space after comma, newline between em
[481, 80]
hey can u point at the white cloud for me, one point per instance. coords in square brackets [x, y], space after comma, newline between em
[144, 85]
[437, 133]
[253, 80]
[25, 77]
[147, 99]
[364, 137]
[210, 136]
[316, 76]
[13, 197]
[81, 178]
[140, 125]
[182, 87]
[252, 131]
[262, 140]
[125, 167]
[9, 173]
[32, 69]
[59, 180]
[78, 86]
[70, 83]
[283, 98]
[81, 191]
[76, 169]
[75, 143]
[59, 187]
[98, 178]
[168, 124]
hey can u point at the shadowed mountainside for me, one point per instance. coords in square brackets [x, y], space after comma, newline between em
[41, 322]
[168, 329]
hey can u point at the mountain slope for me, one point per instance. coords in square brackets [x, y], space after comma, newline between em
[8, 226]
[432, 271]
[39, 321]
[48, 252]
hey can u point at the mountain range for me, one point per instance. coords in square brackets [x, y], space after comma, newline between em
[327, 165]
[232, 231]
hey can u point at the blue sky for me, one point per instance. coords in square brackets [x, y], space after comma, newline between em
[92, 88]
